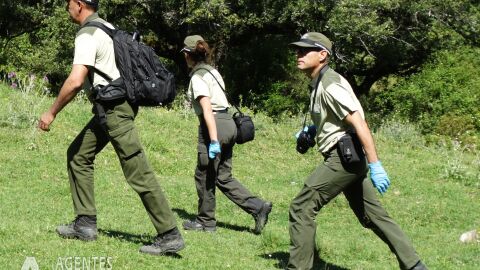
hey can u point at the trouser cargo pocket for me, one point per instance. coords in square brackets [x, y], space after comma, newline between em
[202, 160]
[121, 130]
[127, 143]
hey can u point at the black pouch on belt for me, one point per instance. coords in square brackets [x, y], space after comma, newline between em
[350, 148]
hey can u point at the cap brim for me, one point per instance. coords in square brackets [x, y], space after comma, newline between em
[185, 50]
[302, 44]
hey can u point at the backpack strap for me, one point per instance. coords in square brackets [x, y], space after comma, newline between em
[98, 107]
[99, 72]
[110, 32]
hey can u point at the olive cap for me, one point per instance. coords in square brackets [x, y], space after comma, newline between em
[190, 43]
[314, 40]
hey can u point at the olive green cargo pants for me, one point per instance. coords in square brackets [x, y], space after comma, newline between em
[324, 184]
[218, 172]
[121, 132]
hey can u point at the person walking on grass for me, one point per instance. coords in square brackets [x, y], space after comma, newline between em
[94, 51]
[344, 140]
[216, 138]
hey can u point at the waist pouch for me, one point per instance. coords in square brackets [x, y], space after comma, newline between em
[350, 149]
[115, 90]
[245, 128]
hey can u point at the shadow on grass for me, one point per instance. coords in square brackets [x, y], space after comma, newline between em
[184, 215]
[318, 263]
[134, 238]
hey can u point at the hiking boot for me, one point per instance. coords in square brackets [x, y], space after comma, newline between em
[83, 228]
[194, 225]
[261, 218]
[419, 266]
[166, 243]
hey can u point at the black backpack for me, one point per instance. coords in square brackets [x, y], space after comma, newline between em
[144, 80]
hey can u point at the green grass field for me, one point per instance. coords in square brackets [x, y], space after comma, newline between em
[434, 196]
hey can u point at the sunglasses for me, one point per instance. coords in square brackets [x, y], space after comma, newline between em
[305, 50]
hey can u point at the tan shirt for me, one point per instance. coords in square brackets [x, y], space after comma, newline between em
[94, 48]
[203, 83]
[335, 99]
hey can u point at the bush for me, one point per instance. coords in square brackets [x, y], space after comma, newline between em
[266, 76]
[30, 93]
[443, 98]
[44, 50]
[284, 100]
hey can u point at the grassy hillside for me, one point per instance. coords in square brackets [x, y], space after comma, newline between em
[434, 196]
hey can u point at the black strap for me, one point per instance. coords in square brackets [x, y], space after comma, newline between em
[99, 109]
[223, 89]
[102, 116]
[110, 32]
[92, 69]
[312, 103]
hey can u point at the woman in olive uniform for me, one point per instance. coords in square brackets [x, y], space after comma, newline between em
[216, 138]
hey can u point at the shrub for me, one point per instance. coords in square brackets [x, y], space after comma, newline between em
[265, 76]
[443, 98]
[31, 92]
[284, 100]
[47, 49]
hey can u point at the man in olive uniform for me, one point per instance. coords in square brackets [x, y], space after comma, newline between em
[94, 49]
[337, 115]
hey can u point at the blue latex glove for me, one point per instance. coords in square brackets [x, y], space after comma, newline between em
[379, 177]
[312, 130]
[213, 149]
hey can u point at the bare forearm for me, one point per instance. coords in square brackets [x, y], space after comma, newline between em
[208, 117]
[68, 91]
[212, 127]
[366, 139]
[364, 135]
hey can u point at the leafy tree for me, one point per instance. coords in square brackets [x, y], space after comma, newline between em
[392, 37]
[372, 38]
[444, 98]
[35, 38]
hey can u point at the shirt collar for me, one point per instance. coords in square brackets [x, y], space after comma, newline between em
[197, 67]
[313, 82]
[91, 18]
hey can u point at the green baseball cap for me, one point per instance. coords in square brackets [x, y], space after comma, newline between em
[314, 40]
[190, 43]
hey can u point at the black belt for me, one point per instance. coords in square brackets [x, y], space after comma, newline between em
[221, 111]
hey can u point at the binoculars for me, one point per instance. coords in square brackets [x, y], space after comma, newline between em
[305, 140]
